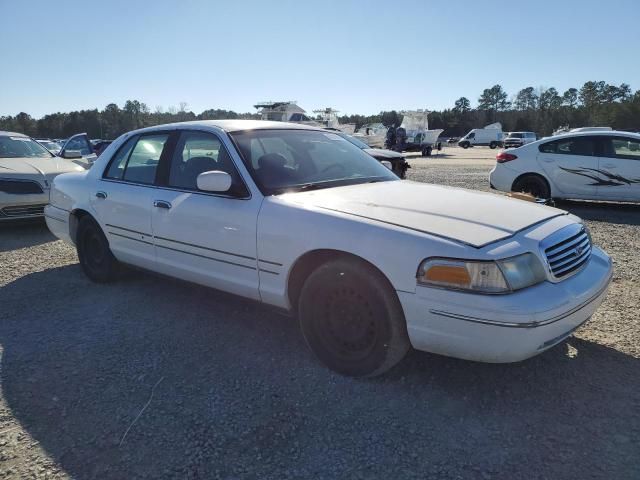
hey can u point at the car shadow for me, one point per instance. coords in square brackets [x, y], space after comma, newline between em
[228, 384]
[30, 234]
[618, 213]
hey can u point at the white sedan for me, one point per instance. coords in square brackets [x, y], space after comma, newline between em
[589, 164]
[26, 172]
[299, 218]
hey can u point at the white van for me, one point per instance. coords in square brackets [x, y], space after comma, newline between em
[490, 136]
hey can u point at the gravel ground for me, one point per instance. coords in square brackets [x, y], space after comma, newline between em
[228, 389]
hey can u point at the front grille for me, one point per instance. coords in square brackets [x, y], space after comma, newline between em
[18, 187]
[568, 255]
[22, 211]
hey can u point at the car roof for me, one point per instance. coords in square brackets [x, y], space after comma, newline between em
[592, 133]
[12, 134]
[231, 125]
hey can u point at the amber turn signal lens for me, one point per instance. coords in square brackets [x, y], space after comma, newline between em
[457, 275]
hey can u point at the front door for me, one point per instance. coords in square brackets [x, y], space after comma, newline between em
[620, 168]
[124, 195]
[79, 143]
[204, 237]
[572, 166]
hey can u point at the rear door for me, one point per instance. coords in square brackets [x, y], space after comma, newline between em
[124, 195]
[79, 143]
[619, 169]
[571, 165]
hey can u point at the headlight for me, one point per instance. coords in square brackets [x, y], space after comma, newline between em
[500, 276]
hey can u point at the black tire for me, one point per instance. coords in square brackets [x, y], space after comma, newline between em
[464, 145]
[352, 320]
[96, 259]
[426, 151]
[493, 145]
[532, 184]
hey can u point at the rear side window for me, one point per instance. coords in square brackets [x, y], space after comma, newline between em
[137, 160]
[119, 160]
[583, 146]
[144, 159]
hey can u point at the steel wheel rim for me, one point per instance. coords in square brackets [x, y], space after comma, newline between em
[346, 324]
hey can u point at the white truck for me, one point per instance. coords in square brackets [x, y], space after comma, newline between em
[490, 136]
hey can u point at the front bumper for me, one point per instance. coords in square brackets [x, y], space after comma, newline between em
[22, 206]
[505, 328]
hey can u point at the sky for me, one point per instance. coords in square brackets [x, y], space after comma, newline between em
[357, 56]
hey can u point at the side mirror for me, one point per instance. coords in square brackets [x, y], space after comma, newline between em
[71, 154]
[214, 181]
[387, 164]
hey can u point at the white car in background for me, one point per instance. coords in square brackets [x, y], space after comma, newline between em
[50, 145]
[518, 139]
[299, 218]
[590, 165]
[26, 172]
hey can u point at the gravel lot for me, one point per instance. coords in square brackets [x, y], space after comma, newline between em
[231, 390]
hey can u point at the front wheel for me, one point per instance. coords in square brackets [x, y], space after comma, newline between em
[464, 145]
[352, 320]
[533, 185]
[426, 151]
[95, 256]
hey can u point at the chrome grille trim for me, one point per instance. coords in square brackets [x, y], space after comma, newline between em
[566, 251]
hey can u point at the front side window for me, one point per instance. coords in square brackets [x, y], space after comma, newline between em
[16, 147]
[515, 135]
[622, 147]
[81, 144]
[199, 152]
[582, 146]
[290, 160]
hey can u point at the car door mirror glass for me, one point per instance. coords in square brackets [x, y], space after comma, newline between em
[387, 164]
[214, 181]
[71, 154]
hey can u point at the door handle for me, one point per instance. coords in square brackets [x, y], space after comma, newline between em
[609, 165]
[548, 160]
[102, 195]
[162, 204]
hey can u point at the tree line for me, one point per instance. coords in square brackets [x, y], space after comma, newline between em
[541, 110]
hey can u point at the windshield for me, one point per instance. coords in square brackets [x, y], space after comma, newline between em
[515, 135]
[50, 145]
[16, 147]
[353, 140]
[290, 160]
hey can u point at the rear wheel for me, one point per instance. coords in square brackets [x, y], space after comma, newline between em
[532, 184]
[95, 256]
[493, 145]
[352, 319]
[426, 151]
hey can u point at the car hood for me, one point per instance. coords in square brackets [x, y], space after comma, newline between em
[467, 216]
[380, 153]
[36, 168]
